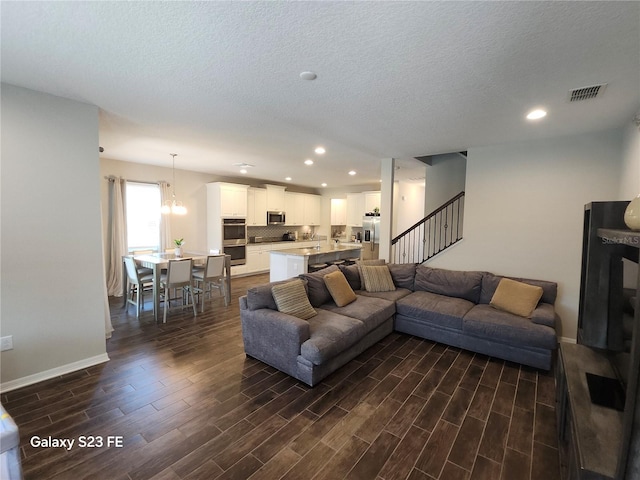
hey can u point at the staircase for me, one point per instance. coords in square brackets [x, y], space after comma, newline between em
[433, 234]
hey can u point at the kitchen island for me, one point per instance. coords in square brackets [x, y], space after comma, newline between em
[292, 262]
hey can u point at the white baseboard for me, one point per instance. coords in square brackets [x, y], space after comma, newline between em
[568, 340]
[52, 373]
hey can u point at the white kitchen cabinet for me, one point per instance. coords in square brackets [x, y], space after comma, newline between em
[275, 198]
[228, 200]
[224, 200]
[294, 209]
[355, 209]
[371, 201]
[312, 207]
[256, 207]
[258, 258]
[338, 211]
[238, 270]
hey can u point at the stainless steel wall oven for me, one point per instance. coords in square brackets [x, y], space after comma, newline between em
[234, 239]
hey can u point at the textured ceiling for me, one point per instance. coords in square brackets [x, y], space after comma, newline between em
[217, 82]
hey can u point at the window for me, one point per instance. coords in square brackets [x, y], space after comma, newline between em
[143, 216]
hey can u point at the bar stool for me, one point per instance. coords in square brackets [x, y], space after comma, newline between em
[317, 266]
[337, 262]
[352, 261]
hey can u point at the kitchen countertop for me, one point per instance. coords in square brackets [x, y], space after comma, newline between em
[324, 249]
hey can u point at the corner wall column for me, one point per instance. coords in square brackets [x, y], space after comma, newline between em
[387, 167]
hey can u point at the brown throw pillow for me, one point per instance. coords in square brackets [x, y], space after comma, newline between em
[516, 297]
[377, 278]
[339, 288]
[291, 298]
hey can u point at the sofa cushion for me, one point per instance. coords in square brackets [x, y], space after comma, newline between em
[318, 291]
[485, 321]
[451, 283]
[490, 283]
[291, 298]
[339, 288]
[403, 274]
[376, 278]
[433, 308]
[392, 296]
[261, 297]
[370, 310]
[544, 314]
[329, 335]
[352, 274]
[516, 297]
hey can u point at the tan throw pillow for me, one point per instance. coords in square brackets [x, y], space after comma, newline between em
[516, 297]
[291, 298]
[377, 278]
[339, 288]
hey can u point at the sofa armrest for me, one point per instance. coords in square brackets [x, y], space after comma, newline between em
[273, 337]
[544, 314]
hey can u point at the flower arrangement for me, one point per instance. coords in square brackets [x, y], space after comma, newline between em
[179, 242]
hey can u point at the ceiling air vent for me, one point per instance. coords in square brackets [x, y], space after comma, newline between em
[586, 93]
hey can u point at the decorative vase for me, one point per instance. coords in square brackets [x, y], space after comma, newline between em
[632, 214]
[178, 252]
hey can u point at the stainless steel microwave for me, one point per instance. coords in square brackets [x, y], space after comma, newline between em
[275, 218]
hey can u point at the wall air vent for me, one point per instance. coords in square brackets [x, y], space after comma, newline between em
[586, 93]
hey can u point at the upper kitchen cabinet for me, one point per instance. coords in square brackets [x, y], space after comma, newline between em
[275, 198]
[312, 208]
[338, 211]
[294, 209]
[371, 201]
[227, 200]
[355, 209]
[256, 207]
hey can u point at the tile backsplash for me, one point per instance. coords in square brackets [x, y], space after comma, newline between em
[276, 231]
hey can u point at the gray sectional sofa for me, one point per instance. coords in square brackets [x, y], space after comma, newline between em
[446, 306]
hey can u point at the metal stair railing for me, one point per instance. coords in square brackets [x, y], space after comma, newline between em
[431, 235]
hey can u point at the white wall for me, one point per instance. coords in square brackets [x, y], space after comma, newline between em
[408, 205]
[52, 278]
[524, 210]
[630, 177]
[445, 178]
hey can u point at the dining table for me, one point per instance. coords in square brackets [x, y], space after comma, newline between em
[159, 261]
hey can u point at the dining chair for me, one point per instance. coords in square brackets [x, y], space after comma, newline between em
[143, 270]
[178, 276]
[212, 276]
[138, 284]
[213, 251]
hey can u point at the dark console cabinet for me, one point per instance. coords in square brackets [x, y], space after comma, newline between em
[596, 442]
[595, 274]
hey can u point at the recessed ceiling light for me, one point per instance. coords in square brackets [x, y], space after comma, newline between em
[324, 184]
[352, 172]
[536, 114]
[320, 150]
[308, 76]
[288, 179]
[243, 171]
[308, 161]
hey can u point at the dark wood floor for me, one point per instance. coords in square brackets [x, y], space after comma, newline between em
[189, 405]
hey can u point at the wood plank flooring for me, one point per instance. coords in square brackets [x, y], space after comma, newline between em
[188, 404]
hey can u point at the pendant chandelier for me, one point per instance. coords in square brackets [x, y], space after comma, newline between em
[172, 206]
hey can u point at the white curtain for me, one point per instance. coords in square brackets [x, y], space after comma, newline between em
[108, 326]
[165, 221]
[117, 236]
